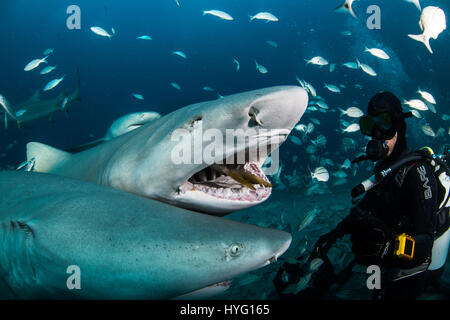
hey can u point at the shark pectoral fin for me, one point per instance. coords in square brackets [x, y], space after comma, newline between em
[46, 157]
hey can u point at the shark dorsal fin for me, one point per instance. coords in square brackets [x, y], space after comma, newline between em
[46, 157]
[35, 97]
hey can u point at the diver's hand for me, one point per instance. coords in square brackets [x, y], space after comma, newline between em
[326, 241]
[372, 242]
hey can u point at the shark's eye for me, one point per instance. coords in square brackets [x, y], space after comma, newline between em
[235, 250]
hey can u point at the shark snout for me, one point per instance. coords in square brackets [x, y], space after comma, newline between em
[273, 243]
[279, 243]
[281, 109]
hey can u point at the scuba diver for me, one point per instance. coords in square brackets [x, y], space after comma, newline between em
[400, 222]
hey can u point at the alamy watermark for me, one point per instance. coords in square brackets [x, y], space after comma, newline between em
[374, 280]
[73, 22]
[74, 280]
[234, 146]
[374, 21]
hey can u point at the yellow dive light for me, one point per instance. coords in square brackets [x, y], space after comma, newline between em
[404, 246]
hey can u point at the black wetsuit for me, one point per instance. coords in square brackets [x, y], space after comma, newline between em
[406, 202]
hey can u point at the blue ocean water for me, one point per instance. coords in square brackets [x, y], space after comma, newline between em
[112, 69]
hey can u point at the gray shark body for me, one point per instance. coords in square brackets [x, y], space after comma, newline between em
[37, 108]
[123, 246]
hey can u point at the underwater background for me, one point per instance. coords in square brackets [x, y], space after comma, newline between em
[113, 69]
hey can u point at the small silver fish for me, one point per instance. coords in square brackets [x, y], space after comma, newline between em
[180, 54]
[315, 264]
[175, 85]
[302, 284]
[35, 63]
[52, 84]
[267, 16]
[220, 14]
[261, 68]
[144, 37]
[102, 32]
[309, 217]
[47, 69]
[138, 96]
[48, 51]
[238, 65]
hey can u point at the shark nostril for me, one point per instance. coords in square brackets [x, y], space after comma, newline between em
[253, 114]
[195, 122]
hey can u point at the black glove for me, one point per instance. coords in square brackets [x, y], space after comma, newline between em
[326, 241]
[372, 241]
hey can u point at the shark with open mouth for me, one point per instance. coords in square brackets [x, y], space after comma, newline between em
[145, 161]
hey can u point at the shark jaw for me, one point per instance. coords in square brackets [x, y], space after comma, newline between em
[227, 186]
[221, 287]
[215, 188]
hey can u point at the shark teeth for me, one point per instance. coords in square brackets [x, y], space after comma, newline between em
[221, 186]
[242, 194]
